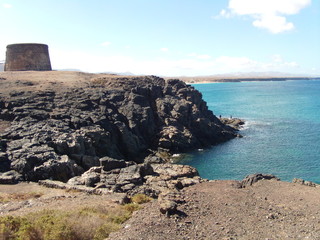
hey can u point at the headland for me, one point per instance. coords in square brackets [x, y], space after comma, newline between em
[112, 137]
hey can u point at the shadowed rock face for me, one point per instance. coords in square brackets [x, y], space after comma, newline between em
[27, 57]
[59, 134]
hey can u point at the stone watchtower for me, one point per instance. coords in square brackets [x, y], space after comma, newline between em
[27, 57]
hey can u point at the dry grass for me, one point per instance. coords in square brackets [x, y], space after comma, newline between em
[79, 224]
[7, 197]
[140, 198]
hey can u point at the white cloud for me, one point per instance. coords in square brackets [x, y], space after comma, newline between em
[223, 14]
[192, 55]
[275, 24]
[204, 56]
[194, 66]
[238, 63]
[279, 62]
[7, 5]
[267, 14]
[199, 56]
[88, 62]
[105, 44]
[277, 58]
[164, 49]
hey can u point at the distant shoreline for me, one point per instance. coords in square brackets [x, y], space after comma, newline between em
[195, 80]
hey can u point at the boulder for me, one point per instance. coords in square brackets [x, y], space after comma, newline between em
[168, 207]
[110, 163]
[10, 177]
[253, 178]
[168, 202]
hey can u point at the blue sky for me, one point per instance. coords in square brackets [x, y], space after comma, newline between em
[169, 37]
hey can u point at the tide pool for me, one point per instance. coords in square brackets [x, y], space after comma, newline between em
[281, 135]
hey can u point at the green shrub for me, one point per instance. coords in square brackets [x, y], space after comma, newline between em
[19, 228]
[131, 207]
[53, 225]
[140, 198]
[103, 231]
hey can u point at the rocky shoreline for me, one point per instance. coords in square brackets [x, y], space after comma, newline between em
[87, 135]
[110, 132]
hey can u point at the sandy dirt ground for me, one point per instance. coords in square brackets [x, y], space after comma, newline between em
[219, 210]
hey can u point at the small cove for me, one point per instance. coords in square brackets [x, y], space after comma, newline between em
[281, 135]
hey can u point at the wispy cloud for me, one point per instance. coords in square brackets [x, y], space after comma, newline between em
[278, 61]
[7, 5]
[223, 14]
[164, 49]
[191, 65]
[266, 14]
[105, 44]
[199, 56]
[204, 56]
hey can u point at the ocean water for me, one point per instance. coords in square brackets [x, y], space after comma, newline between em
[281, 134]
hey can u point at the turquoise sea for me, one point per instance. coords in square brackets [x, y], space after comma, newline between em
[281, 134]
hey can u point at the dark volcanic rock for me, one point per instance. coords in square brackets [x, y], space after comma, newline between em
[10, 177]
[112, 122]
[235, 123]
[149, 179]
[253, 178]
[110, 163]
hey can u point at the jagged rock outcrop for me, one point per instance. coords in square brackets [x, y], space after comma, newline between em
[149, 179]
[233, 122]
[111, 124]
[253, 178]
[305, 183]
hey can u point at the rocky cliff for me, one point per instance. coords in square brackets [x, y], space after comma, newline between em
[61, 129]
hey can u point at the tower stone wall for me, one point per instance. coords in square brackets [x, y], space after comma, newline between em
[27, 57]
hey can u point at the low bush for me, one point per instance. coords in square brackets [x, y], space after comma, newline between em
[85, 223]
[140, 198]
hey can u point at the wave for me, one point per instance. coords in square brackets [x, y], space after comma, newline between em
[249, 123]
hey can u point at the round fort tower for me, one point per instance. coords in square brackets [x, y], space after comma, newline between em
[27, 57]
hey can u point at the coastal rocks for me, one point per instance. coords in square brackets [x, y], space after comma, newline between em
[4, 162]
[253, 178]
[113, 123]
[149, 179]
[303, 182]
[168, 207]
[10, 177]
[109, 163]
[235, 123]
[169, 200]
